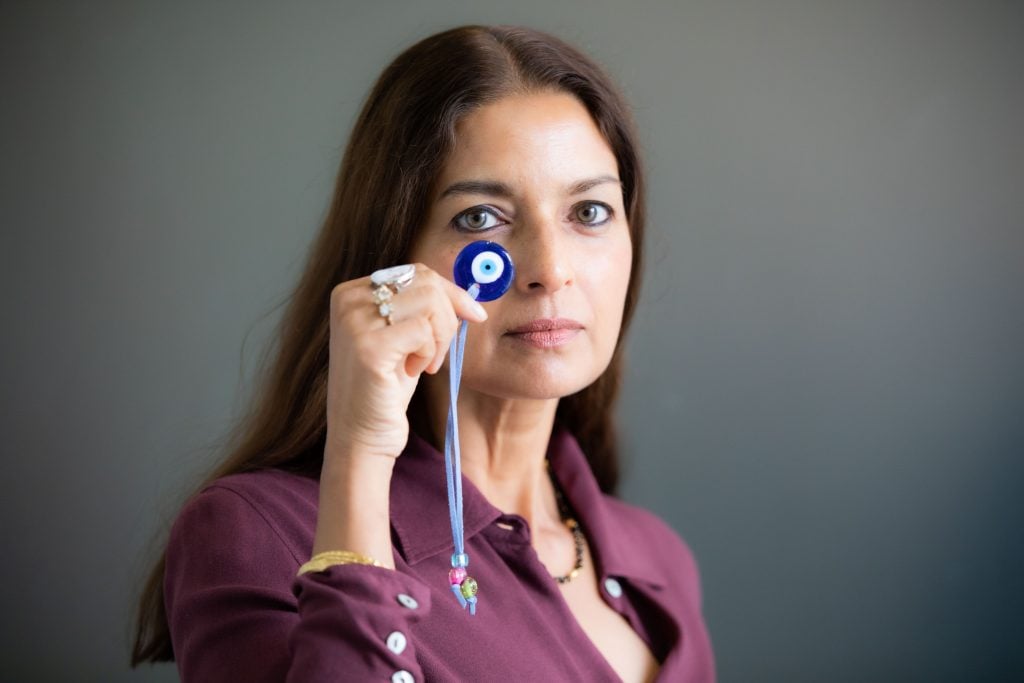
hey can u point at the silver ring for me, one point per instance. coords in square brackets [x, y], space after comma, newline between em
[387, 282]
[396, 277]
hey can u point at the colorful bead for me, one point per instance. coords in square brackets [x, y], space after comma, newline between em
[460, 560]
[469, 587]
[457, 592]
[457, 575]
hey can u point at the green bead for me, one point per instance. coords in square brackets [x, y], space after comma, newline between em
[468, 587]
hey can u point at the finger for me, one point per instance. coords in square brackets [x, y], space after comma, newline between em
[465, 306]
[438, 361]
[429, 295]
[446, 326]
[416, 364]
[431, 302]
[398, 346]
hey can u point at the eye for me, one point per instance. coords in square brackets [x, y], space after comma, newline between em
[487, 267]
[476, 219]
[593, 213]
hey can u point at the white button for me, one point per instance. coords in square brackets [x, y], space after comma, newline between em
[613, 587]
[397, 642]
[402, 676]
[407, 601]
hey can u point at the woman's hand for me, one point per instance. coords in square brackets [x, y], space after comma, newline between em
[374, 366]
[373, 371]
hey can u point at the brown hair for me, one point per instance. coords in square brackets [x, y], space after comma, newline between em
[395, 153]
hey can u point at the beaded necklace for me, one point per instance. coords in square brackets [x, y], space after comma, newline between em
[574, 527]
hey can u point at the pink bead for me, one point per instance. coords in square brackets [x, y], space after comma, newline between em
[457, 575]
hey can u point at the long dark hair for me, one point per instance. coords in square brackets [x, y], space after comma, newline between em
[394, 155]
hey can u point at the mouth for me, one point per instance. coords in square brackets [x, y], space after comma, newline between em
[546, 332]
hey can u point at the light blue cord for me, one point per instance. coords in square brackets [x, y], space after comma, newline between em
[452, 456]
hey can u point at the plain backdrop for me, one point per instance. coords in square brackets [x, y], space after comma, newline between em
[826, 374]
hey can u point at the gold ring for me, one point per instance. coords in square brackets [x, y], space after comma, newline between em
[387, 282]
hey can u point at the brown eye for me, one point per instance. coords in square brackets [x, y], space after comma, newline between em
[592, 213]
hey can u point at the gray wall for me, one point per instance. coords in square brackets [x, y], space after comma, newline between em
[826, 374]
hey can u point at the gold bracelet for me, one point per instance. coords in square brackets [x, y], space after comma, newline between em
[329, 558]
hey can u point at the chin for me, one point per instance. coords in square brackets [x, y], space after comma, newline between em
[549, 379]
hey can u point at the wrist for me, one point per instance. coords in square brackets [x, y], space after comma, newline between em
[354, 511]
[329, 558]
[345, 442]
[352, 470]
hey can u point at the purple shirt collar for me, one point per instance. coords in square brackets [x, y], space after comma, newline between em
[419, 510]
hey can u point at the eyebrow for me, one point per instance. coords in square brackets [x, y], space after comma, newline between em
[499, 189]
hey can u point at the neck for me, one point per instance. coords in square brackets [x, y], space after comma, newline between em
[503, 444]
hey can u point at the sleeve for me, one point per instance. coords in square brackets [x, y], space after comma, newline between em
[237, 611]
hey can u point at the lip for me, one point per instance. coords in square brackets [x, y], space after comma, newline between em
[546, 333]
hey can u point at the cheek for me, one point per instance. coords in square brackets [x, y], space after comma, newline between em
[608, 282]
[439, 258]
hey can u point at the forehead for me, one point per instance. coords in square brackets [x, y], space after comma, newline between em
[529, 137]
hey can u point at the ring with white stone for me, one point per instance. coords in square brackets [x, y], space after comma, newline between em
[396, 277]
[387, 282]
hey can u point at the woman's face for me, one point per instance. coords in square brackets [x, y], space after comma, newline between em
[533, 173]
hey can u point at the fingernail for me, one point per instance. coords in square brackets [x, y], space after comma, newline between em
[479, 310]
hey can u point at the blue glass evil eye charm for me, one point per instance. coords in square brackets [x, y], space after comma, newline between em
[484, 269]
[487, 265]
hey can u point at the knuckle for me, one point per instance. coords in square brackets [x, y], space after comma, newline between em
[346, 318]
[438, 300]
[336, 297]
[343, 296]
[431, 276]
[447, 305]
[425, 331]
[445, 322]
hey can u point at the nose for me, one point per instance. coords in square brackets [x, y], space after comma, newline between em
[544, 260]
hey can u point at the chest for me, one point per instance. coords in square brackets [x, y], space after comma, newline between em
[527, 627]
[610, 633]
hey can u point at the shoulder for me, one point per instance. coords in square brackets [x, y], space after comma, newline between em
[251, 512]
[647, 528]
[266, 487]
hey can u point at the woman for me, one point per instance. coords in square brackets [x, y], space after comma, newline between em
[496, 133]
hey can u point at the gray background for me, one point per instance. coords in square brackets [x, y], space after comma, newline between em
[826, 373]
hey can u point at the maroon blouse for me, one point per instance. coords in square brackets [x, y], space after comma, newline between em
[237, 611]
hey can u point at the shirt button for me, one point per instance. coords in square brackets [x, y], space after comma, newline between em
[402, 676]
[613, 587]
[397, 642]
[407, 601]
